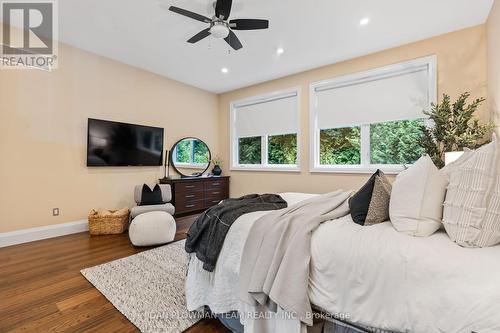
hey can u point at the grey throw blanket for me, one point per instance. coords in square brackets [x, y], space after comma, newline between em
[274, 267]
[206, 235]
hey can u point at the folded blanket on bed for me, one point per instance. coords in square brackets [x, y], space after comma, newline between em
[206, 235]
[274, 267]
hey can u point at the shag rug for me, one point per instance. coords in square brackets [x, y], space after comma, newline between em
[148, 288]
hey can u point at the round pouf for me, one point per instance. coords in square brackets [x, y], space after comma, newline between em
[152, 228]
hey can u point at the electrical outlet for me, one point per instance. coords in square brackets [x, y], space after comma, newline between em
[55, 212]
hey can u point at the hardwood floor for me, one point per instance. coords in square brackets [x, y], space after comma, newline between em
[42, 290]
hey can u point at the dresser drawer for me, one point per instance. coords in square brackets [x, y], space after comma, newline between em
[215, 184]
[195, 195]
[189, 195]
[216, 193]
[186, 206]
[188, 187]
[212, 202]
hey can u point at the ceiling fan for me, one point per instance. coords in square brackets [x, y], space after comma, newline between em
[220, 26]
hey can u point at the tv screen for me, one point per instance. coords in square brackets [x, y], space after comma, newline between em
[111, 143]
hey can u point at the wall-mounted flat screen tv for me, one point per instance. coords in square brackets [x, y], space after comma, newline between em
[111, 143]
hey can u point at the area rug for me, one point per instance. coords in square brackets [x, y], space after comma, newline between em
[148, 288]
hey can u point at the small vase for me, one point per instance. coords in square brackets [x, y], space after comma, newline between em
[216, 171]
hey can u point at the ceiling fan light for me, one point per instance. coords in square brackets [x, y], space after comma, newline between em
[219, 31]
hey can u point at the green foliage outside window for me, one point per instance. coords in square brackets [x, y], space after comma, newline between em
[183, 151]
[249, 150]
[200, 152]
[282, 149]
[396, 142]
[340, 146]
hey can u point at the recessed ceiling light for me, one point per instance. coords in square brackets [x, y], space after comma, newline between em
[224, 70]
[280, 51]
[364, 21]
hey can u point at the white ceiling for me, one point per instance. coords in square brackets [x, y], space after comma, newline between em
[145, 34]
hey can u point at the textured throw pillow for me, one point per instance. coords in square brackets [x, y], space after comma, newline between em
[151, 197]
[416, 206]
[360, 201]
[378, 210]
[472, 206]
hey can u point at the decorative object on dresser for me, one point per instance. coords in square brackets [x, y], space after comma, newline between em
[166, 166]
[191, 195]
[190, 157]
[217, 162]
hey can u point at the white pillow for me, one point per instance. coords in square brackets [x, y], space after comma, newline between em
[472, 207]
[417, 197]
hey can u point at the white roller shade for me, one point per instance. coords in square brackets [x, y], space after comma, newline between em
[390, 94]
[271, 116]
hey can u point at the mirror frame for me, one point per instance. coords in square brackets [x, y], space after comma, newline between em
[171, 158]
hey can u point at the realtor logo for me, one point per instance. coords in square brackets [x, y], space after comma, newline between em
[28, 35]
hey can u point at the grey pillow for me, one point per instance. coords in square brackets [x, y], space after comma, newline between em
[378, 210]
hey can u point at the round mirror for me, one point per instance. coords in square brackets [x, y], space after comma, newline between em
[190, 157]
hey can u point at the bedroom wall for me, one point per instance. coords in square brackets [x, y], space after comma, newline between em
[43, 134]
[462, 58]
[493, 31]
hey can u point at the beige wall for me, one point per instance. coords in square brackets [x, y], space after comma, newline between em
[461, 67]
[43, 125]
[43, 119]
[493, 27]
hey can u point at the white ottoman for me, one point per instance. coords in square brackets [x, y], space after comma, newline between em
[152, 228]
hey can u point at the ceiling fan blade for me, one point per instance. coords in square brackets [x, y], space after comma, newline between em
[189, 14]
[199, 36]
[233, 41]
[249, 24]
[223, 9]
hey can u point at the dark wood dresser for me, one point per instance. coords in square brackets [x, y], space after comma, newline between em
[190, 195]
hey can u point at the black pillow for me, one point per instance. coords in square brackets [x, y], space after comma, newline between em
[149, 197]
[360, 201]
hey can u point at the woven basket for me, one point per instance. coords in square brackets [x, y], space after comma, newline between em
[108, 222]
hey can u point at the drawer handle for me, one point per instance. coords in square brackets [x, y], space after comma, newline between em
[216, 192]
[189, 186]
[190, 196]
[215, 184]
[189, 206]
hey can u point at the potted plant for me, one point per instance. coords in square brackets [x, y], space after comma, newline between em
[454, 127]
[217, 162]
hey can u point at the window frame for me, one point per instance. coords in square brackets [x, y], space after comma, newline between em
[234, 140]
[377, 73]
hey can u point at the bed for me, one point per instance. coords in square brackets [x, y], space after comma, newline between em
[373, 277]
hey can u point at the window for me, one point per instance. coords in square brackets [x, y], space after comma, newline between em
[371, 120]
[264, 132]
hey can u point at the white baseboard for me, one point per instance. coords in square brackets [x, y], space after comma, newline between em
[38, 233]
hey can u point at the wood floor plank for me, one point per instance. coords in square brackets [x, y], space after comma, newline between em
[42, 290]
[75, 300]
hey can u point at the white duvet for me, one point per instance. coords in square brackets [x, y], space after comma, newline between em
[374, 276]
